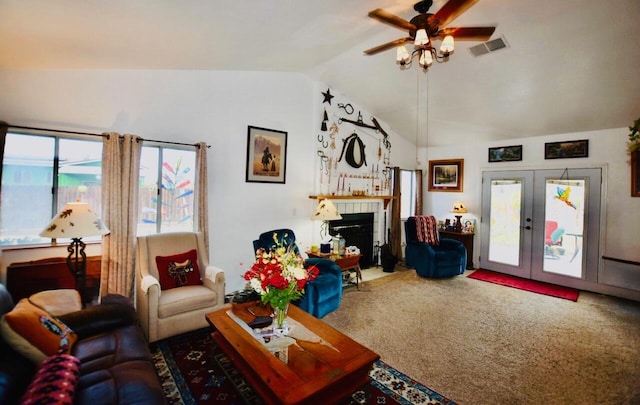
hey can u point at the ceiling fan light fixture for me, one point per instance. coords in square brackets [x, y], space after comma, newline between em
[421, 37]
[447, 45]
[426, 59]
[402, 55]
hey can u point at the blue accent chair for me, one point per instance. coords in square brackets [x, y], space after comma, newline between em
[322, 295]
[447, 259]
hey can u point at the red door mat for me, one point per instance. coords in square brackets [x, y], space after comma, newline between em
[525, 284]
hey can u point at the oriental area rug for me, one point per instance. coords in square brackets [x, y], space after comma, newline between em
[526, 284]
[193, 370]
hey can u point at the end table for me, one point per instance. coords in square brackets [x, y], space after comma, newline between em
[466, 239]
[347, 263]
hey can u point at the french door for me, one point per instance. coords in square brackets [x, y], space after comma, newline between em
[542, 224]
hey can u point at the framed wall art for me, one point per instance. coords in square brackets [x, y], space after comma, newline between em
[505, 154]
[567, 149]
[446, 175]
[266, 155]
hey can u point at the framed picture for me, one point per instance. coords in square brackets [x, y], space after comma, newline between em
[446, 175]
[468, 225]
[568, 149]
[635, 173]
[505, 154]
[266, 155]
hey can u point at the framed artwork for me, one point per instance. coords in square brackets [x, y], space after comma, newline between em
[635, 173]
[468, 225]
[266, 155]
[505, 154]
[567, 149]
[446, 175]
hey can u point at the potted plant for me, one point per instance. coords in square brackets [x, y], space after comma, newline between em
[634, 137]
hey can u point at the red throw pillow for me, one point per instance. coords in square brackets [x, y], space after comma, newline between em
[178, 270]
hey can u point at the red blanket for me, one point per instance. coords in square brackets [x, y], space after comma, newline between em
[427, 229]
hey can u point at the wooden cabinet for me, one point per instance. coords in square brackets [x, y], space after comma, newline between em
[467, 241]
[24, 279]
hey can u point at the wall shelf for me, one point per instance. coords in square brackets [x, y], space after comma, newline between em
[386, 198]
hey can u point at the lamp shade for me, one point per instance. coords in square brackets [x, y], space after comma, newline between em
[402, 54]
[326, 211]
[459, 208]
[75, 220]
[421, 37]
[447, 45]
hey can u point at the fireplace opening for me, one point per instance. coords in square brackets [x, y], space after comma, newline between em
[357, 230]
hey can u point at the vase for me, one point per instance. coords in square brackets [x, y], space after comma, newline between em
[280, 318]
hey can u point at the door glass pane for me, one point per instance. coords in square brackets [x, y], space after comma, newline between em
[27, 180]
[564, 224]
[505, 217]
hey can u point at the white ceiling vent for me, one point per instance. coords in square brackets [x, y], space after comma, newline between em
[489, 46]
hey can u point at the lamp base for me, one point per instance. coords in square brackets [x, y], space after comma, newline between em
[457, 227]
[77, 263]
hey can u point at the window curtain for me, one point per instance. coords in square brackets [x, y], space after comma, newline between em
[120, 177]
[418, 196]
[202, 200]
[4, 127]
[396, 233]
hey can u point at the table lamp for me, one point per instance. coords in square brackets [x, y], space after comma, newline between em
[76, 220]
[325, 212]
[458, 209]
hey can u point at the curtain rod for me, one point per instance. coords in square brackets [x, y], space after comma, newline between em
[100, 135]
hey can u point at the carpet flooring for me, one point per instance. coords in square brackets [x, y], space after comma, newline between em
[525, 284]
[480, 343]
[194, 371]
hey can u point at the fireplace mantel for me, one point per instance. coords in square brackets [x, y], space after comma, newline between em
[386, 198]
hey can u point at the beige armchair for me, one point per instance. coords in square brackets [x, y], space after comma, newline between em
[181, 308]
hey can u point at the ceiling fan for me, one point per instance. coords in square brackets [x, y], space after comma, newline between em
[426, 26]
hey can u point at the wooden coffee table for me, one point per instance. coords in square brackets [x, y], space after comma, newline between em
[326, 372]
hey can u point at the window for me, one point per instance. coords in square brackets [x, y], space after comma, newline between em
[41, 173]
[166, 196]
[407, 193]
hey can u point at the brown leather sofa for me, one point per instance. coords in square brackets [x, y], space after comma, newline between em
[115, 361]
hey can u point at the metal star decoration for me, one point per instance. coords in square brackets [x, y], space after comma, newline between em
[327, 97]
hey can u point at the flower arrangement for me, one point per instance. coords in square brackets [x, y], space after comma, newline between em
[279, 275]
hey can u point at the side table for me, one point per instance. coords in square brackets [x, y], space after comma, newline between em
[467, 241]
[347, 263]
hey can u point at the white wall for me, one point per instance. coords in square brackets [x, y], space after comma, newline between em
[607, 148]
[193, 106]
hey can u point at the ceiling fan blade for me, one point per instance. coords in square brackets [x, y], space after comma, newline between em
[388, 45]
[451, 10]
[468, 33]
[386, 17]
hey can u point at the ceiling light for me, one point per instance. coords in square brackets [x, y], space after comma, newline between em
[421, 37]
[426, 59]
[425, 53]
[447, 45]
[402, 55]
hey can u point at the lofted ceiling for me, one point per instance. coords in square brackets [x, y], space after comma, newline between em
[570, 65]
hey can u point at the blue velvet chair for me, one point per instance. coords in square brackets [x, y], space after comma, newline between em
[447, 258]
[322, 295]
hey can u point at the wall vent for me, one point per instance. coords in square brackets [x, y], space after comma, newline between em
[489, 46]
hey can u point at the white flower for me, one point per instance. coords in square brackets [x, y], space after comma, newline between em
[256, 285]
[298, 272]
